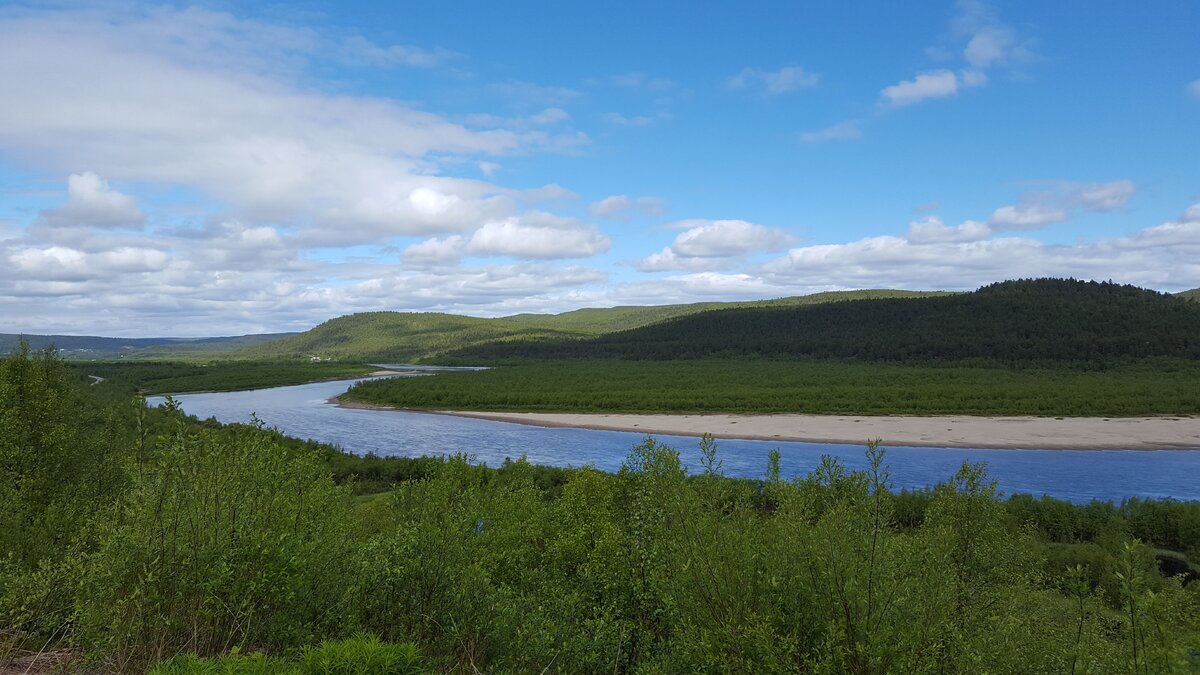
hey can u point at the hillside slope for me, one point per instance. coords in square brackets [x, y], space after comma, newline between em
[600, 320]
[394, 336]
[411, 337]
[1046, 319]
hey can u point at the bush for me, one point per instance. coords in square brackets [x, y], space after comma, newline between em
[228, 540]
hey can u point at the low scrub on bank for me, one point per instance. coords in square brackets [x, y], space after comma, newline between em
[1161, 387]
[193, 547]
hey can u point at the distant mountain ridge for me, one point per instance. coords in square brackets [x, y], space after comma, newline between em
[96, 347]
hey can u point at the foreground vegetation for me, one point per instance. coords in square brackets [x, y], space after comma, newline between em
[1155, 387]
[133, 536]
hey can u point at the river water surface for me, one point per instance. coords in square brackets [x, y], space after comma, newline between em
[1076, 475]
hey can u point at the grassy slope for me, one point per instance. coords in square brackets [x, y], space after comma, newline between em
[394, 336]
[600, 320]
[1193, 295]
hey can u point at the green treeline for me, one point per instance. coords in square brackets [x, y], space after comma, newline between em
[163, 377]
[769, 385]
[1031, 320]
[131, 536]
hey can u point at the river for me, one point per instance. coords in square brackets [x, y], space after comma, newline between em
[1075, 475]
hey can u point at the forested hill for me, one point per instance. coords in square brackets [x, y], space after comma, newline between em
[407, 336]
[1044, 319]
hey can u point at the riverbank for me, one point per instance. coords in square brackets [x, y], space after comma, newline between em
[957, 431]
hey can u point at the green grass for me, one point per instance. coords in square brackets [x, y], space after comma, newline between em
[177, 377]
[598, 321]
[1162, 387]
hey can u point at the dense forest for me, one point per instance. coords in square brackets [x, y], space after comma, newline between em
[137, 539]
[1029, 320]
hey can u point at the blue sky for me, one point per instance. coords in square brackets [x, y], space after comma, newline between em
[236, 167]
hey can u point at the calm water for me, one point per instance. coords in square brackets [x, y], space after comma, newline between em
[1076, 475]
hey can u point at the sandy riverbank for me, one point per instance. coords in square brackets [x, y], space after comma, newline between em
[958, 431]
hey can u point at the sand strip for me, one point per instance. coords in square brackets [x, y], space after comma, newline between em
[959, 431]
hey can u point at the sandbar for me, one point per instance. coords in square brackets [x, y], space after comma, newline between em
[955, 431]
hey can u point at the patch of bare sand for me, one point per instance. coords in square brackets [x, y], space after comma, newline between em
[1068, 433]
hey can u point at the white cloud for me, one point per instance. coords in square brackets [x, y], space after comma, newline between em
[1026, 217]
[550, 116]
[935, 84]
[620, 207]
[360, 51]
[1103, 196]
[206, 100]
[774, 82]
[989, 45]
[1039, 208]
[1165, 256]
[92, 203]
[842, 131]
[434, 252]
[537, 235]
[710, 243]
[1192, 215]
[932, 230]
[636, 121]
[551, 192]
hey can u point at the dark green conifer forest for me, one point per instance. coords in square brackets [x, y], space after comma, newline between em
[135, 539]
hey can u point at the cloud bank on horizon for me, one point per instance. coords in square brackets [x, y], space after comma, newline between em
[200, 171]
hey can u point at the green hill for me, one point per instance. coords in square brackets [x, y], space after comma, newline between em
[394, 336]
[411, 337]
[1045, 319]
[600, 320]
[1193, 295]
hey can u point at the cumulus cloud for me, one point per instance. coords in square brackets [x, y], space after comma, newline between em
[92, 203]
[207, 100]
[1026, 217]
[1102, 196]
[774, 82]
[1163, 256]
[932, 230]
[537, 235]
[621, 207]
[842, 131]
[934, 84]
[550, 116]
[1040, 208]
[989, 44]
[710, 243]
